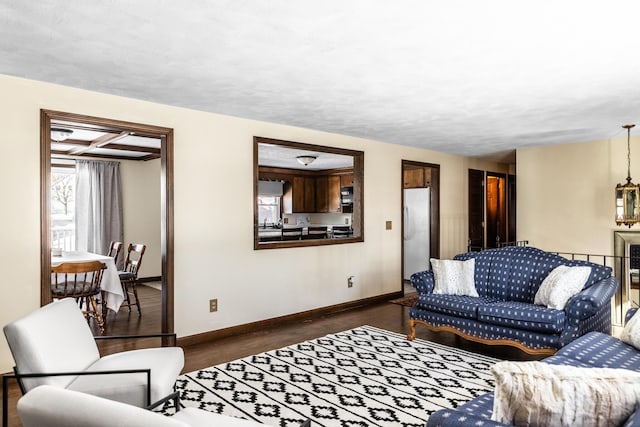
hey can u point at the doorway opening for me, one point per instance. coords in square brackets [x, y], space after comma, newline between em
[492, 215]
[420, 218]
[108, 140]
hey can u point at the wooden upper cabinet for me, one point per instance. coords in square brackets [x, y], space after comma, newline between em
[418, 177]
[304, 194]
[328, 194]
[334, 183]
[298, 194]
[322, 194]
[309, 194]
[346, 180]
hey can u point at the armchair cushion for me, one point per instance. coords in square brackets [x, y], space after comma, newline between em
[165, 364]
[47, 406]
[54, 338]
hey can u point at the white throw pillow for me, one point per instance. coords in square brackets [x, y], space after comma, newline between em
[560, 285]
[541, 394]
[454, 277]
[631, 332]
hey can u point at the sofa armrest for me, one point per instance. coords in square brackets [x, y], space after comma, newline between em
[423, 281]
[588, 301]
[630, 314]
[455, 418]
[633, 420]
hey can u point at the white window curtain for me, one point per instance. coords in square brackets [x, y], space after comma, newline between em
[98, 205]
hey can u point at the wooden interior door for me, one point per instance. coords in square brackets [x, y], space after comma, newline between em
[511, 208]
[476, 209]
[496, 207]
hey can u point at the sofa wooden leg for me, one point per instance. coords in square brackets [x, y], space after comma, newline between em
[412, 330]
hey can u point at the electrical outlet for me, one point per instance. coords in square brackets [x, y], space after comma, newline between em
[213, 305]
[350, 281]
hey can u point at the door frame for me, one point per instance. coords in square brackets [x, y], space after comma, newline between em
[166, 202]
[434, 220]
[502, 207]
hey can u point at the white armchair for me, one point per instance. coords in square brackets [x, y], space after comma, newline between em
[48, 406]
[56, 339]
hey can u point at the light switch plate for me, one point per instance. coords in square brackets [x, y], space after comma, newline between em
[388, 225]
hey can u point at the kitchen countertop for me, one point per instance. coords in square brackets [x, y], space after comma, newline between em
[275, 232]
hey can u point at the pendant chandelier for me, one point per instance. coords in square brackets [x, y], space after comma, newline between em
[627, 195]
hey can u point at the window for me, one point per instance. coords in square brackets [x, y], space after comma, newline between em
[63, 207]
[268, 210]
[311, 193]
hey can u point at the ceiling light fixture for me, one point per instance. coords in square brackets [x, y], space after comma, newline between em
[306, 159]
[627, 195]
[60, 134]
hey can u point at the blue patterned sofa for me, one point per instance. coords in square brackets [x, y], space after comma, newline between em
[504, 313]
[593, 350]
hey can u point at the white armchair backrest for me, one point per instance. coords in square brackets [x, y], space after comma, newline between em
[54, 338]
[47, 406]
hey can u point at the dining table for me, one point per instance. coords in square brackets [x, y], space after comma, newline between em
[110, 284]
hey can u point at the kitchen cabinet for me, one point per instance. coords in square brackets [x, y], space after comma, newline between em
[304, 194]
[418, 177]
[334, 193]
[346, 180]
[322, 194]
[328, 193]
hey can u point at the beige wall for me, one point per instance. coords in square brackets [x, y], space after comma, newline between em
[141, 211]
[214, 258]
[566, 194]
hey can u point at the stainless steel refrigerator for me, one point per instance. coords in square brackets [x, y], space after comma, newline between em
[416, 230]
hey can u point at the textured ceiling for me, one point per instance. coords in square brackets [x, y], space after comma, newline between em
[468, 77]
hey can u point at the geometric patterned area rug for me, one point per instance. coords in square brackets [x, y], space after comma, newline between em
[361, 377]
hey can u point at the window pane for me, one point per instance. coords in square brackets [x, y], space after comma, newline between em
[63, 208]
[268, 209]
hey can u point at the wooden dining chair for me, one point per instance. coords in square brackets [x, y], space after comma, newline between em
[292, 233]
[129, 276]
[114, 250]
[316, 232]
[81, 281]
[339, 231]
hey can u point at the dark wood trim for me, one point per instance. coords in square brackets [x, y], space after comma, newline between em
[166, 180]
[269, 170]
[167, 231]
[358, 194]
[45, 207]
[434, 238]
[149, 279]
[548, 351]
[277, 321]
[305, 146]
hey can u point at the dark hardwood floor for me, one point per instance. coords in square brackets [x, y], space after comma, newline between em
[392, 317]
